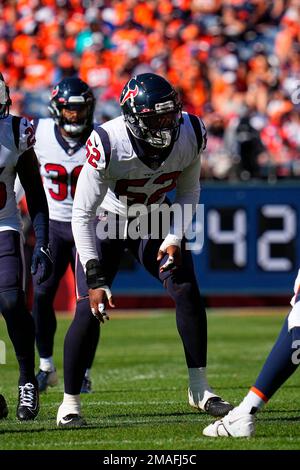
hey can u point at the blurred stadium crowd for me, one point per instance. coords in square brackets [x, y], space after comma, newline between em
[236, 63]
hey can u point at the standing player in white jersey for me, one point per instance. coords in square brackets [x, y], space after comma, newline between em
[142, 155]
[60, 148]
[17, 157]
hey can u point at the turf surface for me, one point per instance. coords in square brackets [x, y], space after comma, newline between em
[140, 387]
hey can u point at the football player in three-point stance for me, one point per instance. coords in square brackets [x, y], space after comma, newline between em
[61, 152]
[142, 155]
[17, 157]
[281, 363]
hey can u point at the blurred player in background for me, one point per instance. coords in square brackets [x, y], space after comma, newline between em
[281, 363]
[60, 148]
[142, 155]
[17, 157]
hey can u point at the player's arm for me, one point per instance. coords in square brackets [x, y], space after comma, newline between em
[29, 175]
[18, 188]
[187, 194]
[90, 191]
[188, 183]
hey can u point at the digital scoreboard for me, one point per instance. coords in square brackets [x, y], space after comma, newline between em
[251, 242]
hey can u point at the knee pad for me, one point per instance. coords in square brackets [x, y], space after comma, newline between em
[42, 292]
[10, 300]
[182, 292]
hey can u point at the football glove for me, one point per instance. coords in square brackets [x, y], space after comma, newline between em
[41, 263]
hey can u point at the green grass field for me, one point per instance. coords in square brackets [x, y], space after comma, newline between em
[140, 387]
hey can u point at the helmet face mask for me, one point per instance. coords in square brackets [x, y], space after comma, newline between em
[72, 106]
[75, 118]
[5, 100]
[151, 109]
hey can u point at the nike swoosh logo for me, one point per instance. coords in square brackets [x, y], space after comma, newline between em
[65, 421]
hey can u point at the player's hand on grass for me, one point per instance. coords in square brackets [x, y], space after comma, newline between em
[98, 301]
[173, 260]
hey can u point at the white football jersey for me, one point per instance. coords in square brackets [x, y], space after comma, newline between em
[126, 175]
[16, 136]
[60, 165]
[113, 169]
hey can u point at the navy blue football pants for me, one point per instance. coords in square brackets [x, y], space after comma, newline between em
[63, 251]
[181, 286]
[18, 320]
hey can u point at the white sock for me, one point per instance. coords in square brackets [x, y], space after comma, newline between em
[87, 373]
[71, 404]
[47, 364]
[251, 403]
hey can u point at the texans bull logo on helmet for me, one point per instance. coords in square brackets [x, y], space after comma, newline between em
[131, 92]
[54, 91]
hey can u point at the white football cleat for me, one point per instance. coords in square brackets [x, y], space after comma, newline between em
[69, 417]
[71, 421]
[234, 424]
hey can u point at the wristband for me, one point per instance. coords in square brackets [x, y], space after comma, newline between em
[95, 276]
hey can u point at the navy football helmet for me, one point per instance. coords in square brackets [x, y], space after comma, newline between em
[151, 109]
[72, 94]
[5, 100]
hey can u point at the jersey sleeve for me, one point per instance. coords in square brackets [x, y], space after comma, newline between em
[187, 197]
[200, 132]
[203, 134]
[35, 122]
[90, 191]
[189, 180]
[18, 189]
[96, 153]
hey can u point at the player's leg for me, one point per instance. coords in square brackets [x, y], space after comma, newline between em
[191, 323]
[19, 322]
[78, 337]
[86, 386]
[43, 310]
[278, 367]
